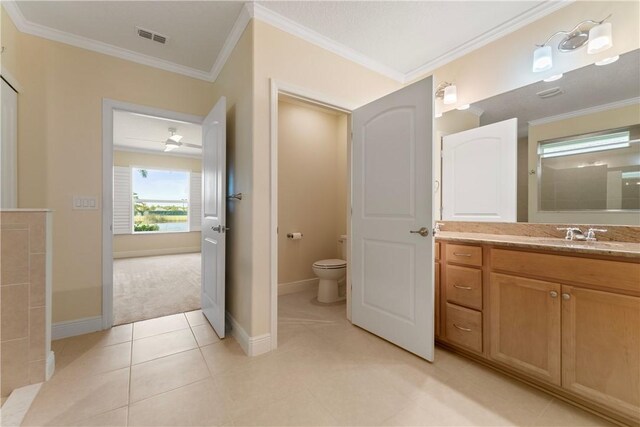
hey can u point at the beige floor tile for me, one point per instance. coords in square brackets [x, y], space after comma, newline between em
[68, 402]
[150, 348]
[160, 325]
[198, 404]
[69, 349]
[167, 373]
[561, 414]
[95, 361]
[114, 418]
[195, 318]
[301, 410]
[225, 356]
[205, 334]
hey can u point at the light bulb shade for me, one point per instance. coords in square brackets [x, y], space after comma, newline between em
[175, 138]
[600, 38]
[171, 145]
[542, 59]
[450, 95]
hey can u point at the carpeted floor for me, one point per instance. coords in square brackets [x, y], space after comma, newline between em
[149, 287]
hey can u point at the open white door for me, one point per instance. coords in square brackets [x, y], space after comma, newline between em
[479, 168]
[392, 248]
[214, 169]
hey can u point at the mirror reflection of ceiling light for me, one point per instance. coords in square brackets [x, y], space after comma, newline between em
[597, 35]
[553, 78]
[448, 92]
[608, 61]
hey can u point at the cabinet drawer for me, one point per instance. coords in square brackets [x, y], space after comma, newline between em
[464, 327]
[463, 254]
[464, 286]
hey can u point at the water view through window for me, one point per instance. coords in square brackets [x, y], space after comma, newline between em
[160, 200]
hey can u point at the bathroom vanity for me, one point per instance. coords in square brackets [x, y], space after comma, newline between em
[561, 315]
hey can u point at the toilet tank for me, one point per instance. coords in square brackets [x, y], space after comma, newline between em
[342, 246]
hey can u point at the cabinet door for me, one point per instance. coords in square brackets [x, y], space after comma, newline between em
[436, 284]
[601, 347]
[525, 325]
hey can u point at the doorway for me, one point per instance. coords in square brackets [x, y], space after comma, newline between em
[309, 198]
[152, 210]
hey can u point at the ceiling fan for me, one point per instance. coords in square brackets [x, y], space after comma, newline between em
[174, 141]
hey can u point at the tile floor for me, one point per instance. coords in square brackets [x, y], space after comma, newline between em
[175, 371]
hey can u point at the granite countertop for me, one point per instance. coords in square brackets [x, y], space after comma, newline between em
[621, 249]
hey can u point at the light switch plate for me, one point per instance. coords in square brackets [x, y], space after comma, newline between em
[85, 203]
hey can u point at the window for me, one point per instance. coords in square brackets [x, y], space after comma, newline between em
[599, 171]
[160, 200]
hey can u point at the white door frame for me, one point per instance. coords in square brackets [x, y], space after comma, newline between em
[277, 88]
[108, 107]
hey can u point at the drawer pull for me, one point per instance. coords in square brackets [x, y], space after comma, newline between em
[461, 328]
[458, 254]
[466, 288]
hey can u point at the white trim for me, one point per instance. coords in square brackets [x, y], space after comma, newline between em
[108, 106]
[277, 87]
[508, 27]
[285, 24]
[298, 286]
[585, 111]
[49, 33]
[10, 78]
[232, 39]
[50, 367]
[72, 328]
[157, 252]
[155, 152]
[252, 346]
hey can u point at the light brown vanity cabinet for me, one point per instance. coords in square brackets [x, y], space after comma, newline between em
[567, 322]
[525, 325]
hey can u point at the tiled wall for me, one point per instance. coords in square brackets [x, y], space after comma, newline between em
[23, 299]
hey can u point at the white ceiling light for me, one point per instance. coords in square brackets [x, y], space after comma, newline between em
[600, 38]
[448, 92]
[438, 115]
[464, 107]
[553, 78]
[542, 59]
[173, 141]
[608, 61]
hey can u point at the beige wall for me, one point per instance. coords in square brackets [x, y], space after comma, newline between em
[311, 188]
[281, 56]
[505, 64]
[611, 119]
[60, 143]
[132, 245]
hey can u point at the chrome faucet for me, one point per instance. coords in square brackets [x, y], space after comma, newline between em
[591, 234]
[573, 233]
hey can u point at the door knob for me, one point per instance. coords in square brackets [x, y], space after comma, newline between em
[424, 231]
[217, 228]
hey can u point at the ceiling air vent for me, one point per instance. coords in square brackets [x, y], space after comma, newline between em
[548, 93]
[150, 35]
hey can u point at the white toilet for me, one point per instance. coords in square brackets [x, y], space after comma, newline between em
[330, 271]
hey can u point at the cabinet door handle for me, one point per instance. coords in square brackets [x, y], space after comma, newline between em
[461, 328]
[553, 294]
[457, 254]
[566, 297]
[466, 288]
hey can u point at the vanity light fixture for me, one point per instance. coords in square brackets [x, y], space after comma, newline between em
[596, 34]
[448, 92]
[464, 107]
[608, 61]
[553, 78]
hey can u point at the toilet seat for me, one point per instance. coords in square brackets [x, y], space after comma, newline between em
[330, 264]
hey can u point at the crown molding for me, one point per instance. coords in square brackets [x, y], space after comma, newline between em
[585, 111]
[34, 29]
[246, 13]
[285, 24]
[494, 34]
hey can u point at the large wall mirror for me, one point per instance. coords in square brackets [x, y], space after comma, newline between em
[578, 143]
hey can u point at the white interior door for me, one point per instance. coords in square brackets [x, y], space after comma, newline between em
[479, 168]
[392, 264]
[9, 147]
[214, 165]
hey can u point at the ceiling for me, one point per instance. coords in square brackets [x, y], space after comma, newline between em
[136, 132]
[395, 38]
[614, 82]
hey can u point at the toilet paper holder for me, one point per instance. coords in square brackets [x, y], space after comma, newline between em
[292, 235]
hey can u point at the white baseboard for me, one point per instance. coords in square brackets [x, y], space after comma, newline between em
[155, 252]
[300, 285]
[50, 365]
[72, 328]
[252, 346]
